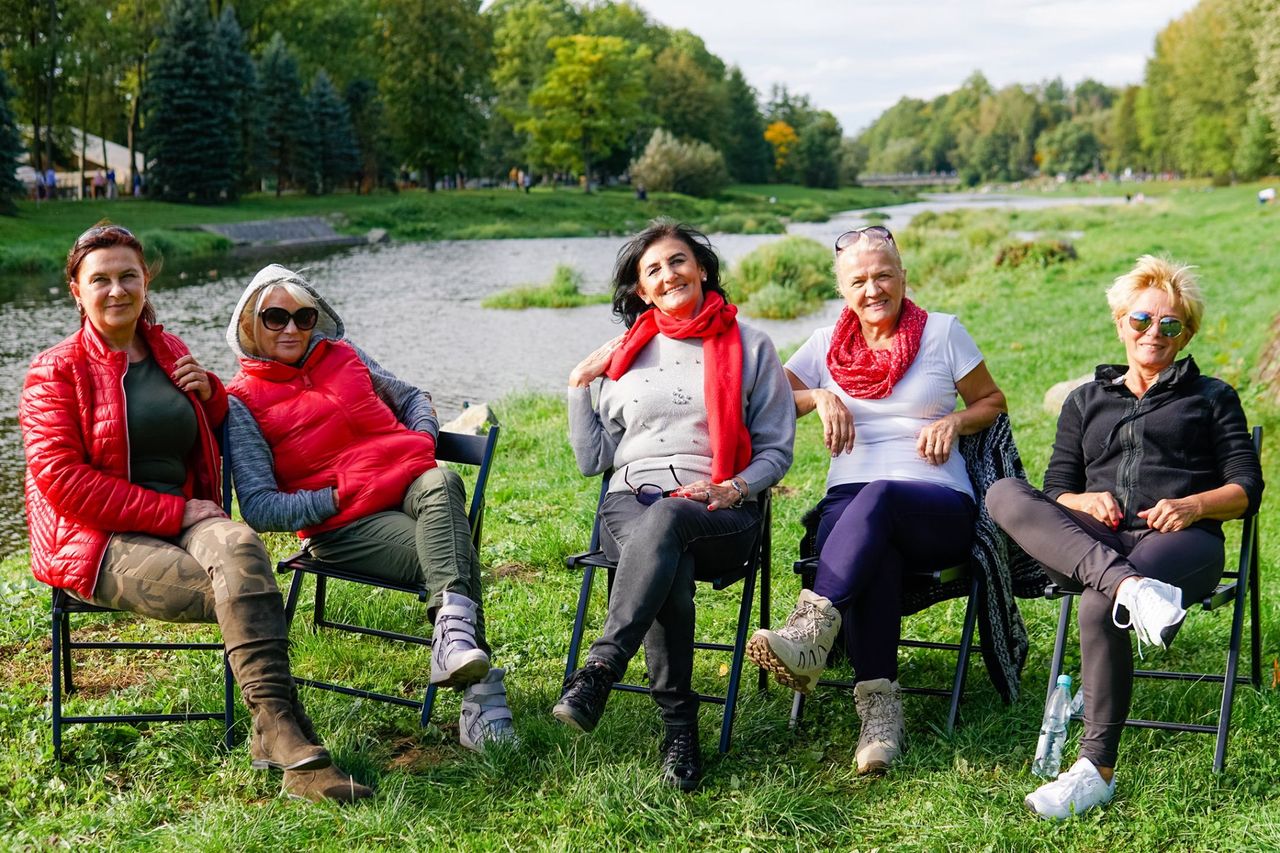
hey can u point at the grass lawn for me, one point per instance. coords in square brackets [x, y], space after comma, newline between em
[37, 239]
[169, 787]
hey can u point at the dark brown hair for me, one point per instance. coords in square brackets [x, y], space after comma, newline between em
[107, 235]
[627, 303]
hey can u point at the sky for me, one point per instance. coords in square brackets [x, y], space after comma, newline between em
[857, 58]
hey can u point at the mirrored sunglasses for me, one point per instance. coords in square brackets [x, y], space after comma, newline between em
[1140, 321]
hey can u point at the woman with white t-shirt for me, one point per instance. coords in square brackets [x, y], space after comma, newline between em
[884, 382]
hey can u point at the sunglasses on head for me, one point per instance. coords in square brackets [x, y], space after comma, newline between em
[649, 493]
[848, 238]
[1140, 321]
[277, 319]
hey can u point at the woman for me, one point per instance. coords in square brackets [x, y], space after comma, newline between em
[692, 406]
[1150, 458]
[123, 502]
[331, 444]
[884, 382]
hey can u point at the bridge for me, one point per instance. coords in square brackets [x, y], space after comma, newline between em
[914, 179]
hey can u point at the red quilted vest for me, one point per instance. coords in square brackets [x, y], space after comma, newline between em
[326, 426]
[77, 484]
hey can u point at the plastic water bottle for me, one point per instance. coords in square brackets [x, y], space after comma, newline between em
[1053, 731]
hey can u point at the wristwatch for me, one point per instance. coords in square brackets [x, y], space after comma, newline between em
[742, 492]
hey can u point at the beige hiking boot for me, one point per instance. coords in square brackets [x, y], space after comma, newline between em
[879, 704]
[797, 654]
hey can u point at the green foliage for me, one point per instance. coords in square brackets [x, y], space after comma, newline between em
[333, 157]
[10, 151]
[671, 165]
[746, 153]
[817, 154]
[193, 147]
[785, 278]
[368, 125]
[563, 291]
[1070, 149]
[284, 115]
[241, 81]
[1039, 253]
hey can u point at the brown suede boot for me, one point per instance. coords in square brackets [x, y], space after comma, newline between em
[329, 784]
[256, 639]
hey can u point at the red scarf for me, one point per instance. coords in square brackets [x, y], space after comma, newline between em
[716, 323]
[870, 374]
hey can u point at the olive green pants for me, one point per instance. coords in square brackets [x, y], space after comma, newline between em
[428, 541]
[183, 579]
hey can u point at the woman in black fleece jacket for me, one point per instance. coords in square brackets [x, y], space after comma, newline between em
[1150, 458]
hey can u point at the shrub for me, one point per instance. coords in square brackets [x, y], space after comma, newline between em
[786, 278]
[670, 165]
[809, 214]
[1040, 253]
[745, 223]
[563, 291]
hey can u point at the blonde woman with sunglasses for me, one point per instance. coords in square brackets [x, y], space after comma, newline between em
[1150, 458]
[332, 445]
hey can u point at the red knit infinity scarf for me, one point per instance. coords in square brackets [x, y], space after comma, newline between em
[870, 374]
[716, 323]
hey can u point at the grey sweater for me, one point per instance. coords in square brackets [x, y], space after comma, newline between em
[262, 504]
[654, 417]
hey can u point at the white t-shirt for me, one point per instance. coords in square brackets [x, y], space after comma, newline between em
[885, 430]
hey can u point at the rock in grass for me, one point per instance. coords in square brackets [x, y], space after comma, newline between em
[473, 420]
[1057, 394]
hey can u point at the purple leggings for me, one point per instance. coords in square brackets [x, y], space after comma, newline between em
[868, 536]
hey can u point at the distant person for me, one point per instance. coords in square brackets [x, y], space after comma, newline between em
[1150, 458]
[123, 497]
[641, 193]
[332, 445]
[885, 382]
[99, 184]
[137, 184]
[41, 190]
[526, 181]
[112, 190]
[1267, 195]
[51, 183]
[695, 420]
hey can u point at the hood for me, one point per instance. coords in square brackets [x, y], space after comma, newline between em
[328, 326]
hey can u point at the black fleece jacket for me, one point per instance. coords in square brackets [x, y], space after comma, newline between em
[1187, 434]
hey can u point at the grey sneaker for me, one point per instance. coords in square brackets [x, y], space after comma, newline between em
[1073, 793]
[797, 653]
[879, 704]
[456, 660]
[485, 717]
[1154, 609]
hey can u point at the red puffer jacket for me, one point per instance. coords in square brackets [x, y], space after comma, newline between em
[327, 427]
[77, 487]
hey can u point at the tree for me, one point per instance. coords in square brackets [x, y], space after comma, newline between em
[782, 137]
[187, 136]
[283, 114]
[368, 123]
[10, 151]
[1070, 149]
[334, 158]
[241, 81]
[687, 100]
[589, 103]
[1266, 89]
[1123, 143]
[691, 167]
[1256, 155]
[435, 81]
[746, 152]
[817, 154]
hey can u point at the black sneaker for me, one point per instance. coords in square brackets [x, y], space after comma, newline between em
[585, 692]
[682, 758]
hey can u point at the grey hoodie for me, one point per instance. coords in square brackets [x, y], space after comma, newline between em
[262, 504]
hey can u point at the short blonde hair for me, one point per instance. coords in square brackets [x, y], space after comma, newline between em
[249, 314]
[1176, 280]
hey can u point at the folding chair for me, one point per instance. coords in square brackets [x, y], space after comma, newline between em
[1239, 586]
[450, 447]
[64, 605]
[758, 563]
[807, 568]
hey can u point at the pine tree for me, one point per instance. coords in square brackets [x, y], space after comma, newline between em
[747, 154]
[241, 81]
[334, 156]
[187, 136]
[368, 122]
[283, 114]
[10, 150]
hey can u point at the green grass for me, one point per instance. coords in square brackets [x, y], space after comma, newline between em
[563, 291]
[783, 279]
[169, 787]
[37, 239]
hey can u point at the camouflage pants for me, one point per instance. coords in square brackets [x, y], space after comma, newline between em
[181, 580]
[428, 540]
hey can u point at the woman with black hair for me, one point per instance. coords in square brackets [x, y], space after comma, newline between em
[695, 418]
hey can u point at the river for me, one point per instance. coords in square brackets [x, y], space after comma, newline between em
[416, 308]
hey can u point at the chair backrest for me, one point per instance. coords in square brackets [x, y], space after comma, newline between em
[460, 448]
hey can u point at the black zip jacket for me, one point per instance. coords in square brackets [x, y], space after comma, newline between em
[1187, 434]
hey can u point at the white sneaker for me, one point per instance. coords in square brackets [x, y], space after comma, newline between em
[1072, 794]
[485, 717]
[1155, 610]
[456, 660]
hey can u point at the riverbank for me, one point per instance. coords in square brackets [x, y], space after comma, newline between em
[36, 240]
[169, 786]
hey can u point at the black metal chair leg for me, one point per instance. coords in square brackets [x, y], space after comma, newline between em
[962, 654]
[291, 603]
[735, 668]
[229, 706]
[1059, 645]
[428, 704]
[56, 690]
[317, 617]
[579, 621]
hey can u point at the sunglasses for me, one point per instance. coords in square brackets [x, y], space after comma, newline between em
[277, 319]
[1140, 321]
[848, 238]
[648, 493]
